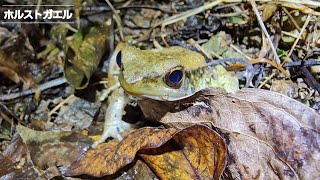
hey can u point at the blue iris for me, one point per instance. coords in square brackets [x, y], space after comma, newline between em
[118, 59]
[175, 77]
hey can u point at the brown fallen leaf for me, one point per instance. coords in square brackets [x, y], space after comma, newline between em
[8, 170]
[14, 65]
[285, 87]
[269, 135]
[268, 11]
[195, 152]
[13, 70]
[109, 157]
[138, 170]
[15, 163]
[50, 149]
[16, 150]
[6, 165]
[84, 54]
[202, 155]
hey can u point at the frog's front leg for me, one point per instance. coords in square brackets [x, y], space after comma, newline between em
[114, 124]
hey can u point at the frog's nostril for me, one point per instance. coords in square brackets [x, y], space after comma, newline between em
[118, 59]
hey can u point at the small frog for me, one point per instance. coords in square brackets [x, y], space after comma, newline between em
[168, 74]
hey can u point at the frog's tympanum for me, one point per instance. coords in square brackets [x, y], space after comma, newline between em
[168, 74]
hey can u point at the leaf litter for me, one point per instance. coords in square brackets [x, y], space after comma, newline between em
[254, 133]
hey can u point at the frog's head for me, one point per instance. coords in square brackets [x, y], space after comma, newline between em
[158, 74]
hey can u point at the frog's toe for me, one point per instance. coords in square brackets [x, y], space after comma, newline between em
[112, 130]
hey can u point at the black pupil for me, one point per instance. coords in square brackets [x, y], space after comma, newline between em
[175, 76]
[118, 58]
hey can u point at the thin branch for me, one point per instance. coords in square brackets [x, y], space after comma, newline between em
[117, 18]
[264, 29]
[42, 87]
[310, 62]
[300, 34]
[291, 18]
[310, 80]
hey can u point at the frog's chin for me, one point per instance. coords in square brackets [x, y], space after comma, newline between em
[166, 98]
[158, 96]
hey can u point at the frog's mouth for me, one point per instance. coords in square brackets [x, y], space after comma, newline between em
[161, 94]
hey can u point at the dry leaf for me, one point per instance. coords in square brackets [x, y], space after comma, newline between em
[14, 70]
[139, 170]
[195, 152]
[6, 165]
[8, 170]
[84, 54]
[13, 161]
[108, 158]
[16, 55]
[285, 87]
[16, 150]
[268, 11]
[201, 155]
[49, 149]
[271, 136]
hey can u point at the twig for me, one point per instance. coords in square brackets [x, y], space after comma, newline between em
[261, 60]
[117, 18]
[7, 118]
[42, 87]
[301, 8]
[310, 62]
[146, 7]
[300, 34]
[299, 2]
[266, 80]
[69, 99]
[209, 5]
[310, 80]
[6, 110]
[187, 14]
[264, 29]
[289, 34]
[230, 14]
[232, 60]
[291, 18]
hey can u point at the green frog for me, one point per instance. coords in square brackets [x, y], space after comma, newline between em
[168, 74]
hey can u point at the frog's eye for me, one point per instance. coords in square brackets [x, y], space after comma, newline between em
[174, 78]
[118, 59]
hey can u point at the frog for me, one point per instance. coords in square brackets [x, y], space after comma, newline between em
[167, 74]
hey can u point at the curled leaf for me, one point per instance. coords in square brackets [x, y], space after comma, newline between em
[195, 152]
[202, 155]
[108, 158]
[85, 56]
